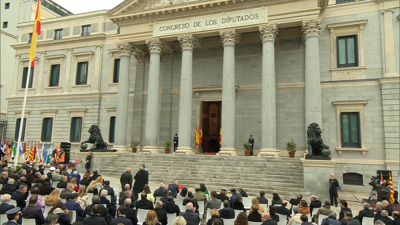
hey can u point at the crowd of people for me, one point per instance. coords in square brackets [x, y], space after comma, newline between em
[63, 196]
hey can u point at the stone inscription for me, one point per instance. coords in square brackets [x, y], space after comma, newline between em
[211, 22]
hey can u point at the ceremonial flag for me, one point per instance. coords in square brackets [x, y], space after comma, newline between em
[37, 159]
[20, 152]
[55, 155]
[23, 151]
[220, 136]
[381, 178]
[44, 153]
[37, 29]
[391, 189]
[201, 135]
[13, 150]
[49, 154]
[30, 157]
[27, 151]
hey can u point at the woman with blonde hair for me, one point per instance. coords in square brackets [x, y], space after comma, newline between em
[92, 188]
[214, 215]
[73, 182]
[53, 198]
[150, 196]
[4, 178]
[255, 201]
[179, 221]
[151, 218]
[99, 183]
[83, 197]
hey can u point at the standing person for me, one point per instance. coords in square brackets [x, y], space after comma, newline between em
[385, 195]
[126, 178]
[333, 186]
[141, 179]
[251, 142]
[6, 156]
[88, 161]
[176, 140]
[61, 157]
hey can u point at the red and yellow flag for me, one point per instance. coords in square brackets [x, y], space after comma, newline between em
[220, 135]
[196, 137]
[392, 189]
[37, 29]
[201, 136]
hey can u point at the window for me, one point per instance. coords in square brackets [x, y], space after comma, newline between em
[5, 24]
[111, 134]
[30, 38]
[25, 77]
[54, 75]
[343, 1]
[17, 125]
[76, 129]
[86, 30]
[58, 34]
[118, 30]
[353, 179]
[47, 129]
[7, 5]
[350, 129]
[81, 73]
[347, 51]
[116, 70]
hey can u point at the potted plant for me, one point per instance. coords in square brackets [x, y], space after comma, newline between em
[167, 146]
[291, 148]
[247, 149]
[134, 145]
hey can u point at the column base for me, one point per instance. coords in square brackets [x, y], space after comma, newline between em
[227, 151]
[185, 150]
[121, 148]
[153, 150]
[269, 152]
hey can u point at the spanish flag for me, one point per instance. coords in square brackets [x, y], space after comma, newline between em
[37, 29]
[196, 137]
[220, 136]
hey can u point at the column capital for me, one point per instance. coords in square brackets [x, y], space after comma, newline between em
[312, 27]
[268, 32]
[387, 10]
[140, 57]
[187, 41]
[125, 48]
[168, 54]
[228, 37]
[155, 45]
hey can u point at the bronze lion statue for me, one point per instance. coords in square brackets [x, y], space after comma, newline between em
[316, 146]
[95, 138]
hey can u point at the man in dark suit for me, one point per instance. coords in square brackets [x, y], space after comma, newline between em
[127, 188]
[131, 213]
[121, 219]
[159, 191]
[261, 199]
[396, 217]
[227, 212]
[67, 192]
[222, 195]
[95, 175]
[71, 204]
[242, 192]
[29, 177]
[8, 188]
[141, 179]
[128, 194]
[63, 183]
[46, 188]
[384, 218]
[173, 188]
[251, 142]
[295, 201]
[143, 203]
[378, 210]
[164, 198]
[176, 142]
[104, 200]
[95, 217]
[26, 166]
[38, 175]
[282, 209]
[171, 207]
[333, 187]
[19, 196]
[190, 217]
[33, 212]
[314, 203]
[126, 178]
[103, 212]
[161, 213]
[109, 189]
[4, 207]
[387, 207]
[366, 212]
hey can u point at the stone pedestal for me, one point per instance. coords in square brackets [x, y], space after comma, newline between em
[316, 176]
[99, 160]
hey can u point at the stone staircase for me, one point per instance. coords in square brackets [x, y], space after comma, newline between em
[281, 175]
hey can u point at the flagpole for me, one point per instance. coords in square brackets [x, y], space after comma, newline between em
[23, 112]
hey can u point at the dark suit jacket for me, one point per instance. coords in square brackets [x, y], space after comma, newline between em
[396, 221]
[364, 213]
[254, 217]
[71, 205]
[141, 179]
[159, 191]
[191, 217]
[162, 216]
[227, 213]
[283, 210]
[103, 213]
[389, 209]
[62, 184]
[211, 220]
[294, 202]
[164, 199]
[4, 207]
[386, 220]
[144, 204]
[8, 189]
[46, 189]
[171, 207]
[94, 219]
[110, 190]
[131, 214]
[34, 213]
[64, 194]
[173, 189]
[315, 204]
[244, 194]
[19, 198]
[126, 178]
[121, 219]
[110, 207]
[262, 200]
[223, 197]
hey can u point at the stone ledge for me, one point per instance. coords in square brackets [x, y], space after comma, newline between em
[362, 150]
[318, 163]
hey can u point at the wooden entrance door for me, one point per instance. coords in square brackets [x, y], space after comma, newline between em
[211, 126]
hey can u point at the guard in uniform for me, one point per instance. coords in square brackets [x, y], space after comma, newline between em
[88, 161]
[13, 216]
[251, 142]
[333, 187]
[176, 139]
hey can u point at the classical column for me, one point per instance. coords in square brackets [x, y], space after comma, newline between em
[311, 30]
[40, 74]
[153, 95]
[228, 38]
[96, 77]
[121, 120]
[16, 76]
[268, 91]
[185, 103]
[67, 72]
[390, 60]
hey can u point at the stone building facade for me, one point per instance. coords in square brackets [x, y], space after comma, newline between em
[146, 70]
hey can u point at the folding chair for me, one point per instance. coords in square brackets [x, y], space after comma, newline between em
[12, 202]
[282, 219]
[28, 221]
[229, 221]
[254, 223]
[171, 218]
[246, 202]
[72, 215]
[142, 214]
[367, 220]
[314, 211]
[320, 218]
